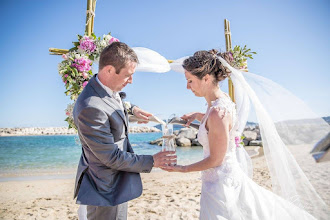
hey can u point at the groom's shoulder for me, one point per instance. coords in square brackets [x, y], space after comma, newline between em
[88, 99]
[87, 104]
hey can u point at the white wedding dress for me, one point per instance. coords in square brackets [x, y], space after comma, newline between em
[283, 119]
[228, 192]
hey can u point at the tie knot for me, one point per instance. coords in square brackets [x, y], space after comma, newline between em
[117, 97]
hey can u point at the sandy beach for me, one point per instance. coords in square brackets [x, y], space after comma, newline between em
[165, 195]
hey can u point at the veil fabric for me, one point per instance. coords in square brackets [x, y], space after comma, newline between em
[151, 61]
[283, 120]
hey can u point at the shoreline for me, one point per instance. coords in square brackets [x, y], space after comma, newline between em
[50, 131]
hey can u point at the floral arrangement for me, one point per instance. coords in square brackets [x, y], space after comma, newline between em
[69, 118]
[76, 67]
[239, 141]
[238, 57]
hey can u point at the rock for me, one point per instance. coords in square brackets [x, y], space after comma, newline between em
[144, 129]
[188, 133]
[246, 142]
[183, 142]
[258, 137]
[250, 135]
[255, 143]
[158, 142]
[36, 131]
[195, 142]
[59, 131]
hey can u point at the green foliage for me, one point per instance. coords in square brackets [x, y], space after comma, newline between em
[240, 56]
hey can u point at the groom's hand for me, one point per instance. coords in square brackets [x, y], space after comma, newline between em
[139, 113]
[162, 159]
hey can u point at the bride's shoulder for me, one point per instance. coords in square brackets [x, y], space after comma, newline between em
[218, 118]
[218, 112]
[224, 103]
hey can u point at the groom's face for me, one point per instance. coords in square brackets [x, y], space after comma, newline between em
[124, 77]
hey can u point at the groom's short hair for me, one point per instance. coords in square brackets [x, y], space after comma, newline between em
[117, 54]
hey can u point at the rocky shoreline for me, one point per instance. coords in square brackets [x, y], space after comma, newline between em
[187, 137]
[36, 131]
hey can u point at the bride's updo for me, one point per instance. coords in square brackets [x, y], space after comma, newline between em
[206, 62]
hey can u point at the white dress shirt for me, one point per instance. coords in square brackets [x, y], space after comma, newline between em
[111, 93]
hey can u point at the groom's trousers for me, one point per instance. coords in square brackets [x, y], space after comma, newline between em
[88, 212]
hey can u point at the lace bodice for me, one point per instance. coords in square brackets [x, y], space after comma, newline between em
[226, 106]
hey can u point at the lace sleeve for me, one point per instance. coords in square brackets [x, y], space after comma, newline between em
[222, 111]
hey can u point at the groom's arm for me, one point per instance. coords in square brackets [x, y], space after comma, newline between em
[94, 127]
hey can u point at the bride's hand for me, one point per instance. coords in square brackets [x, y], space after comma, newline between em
[190, 117]
[175, 168]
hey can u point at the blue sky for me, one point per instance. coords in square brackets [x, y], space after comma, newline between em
[290, 37]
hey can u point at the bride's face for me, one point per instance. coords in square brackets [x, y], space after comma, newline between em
[194, 84]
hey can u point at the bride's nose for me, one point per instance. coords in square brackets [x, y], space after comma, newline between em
[188, 86]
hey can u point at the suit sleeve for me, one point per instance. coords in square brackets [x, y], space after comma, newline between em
[130, 111]
[94, 128]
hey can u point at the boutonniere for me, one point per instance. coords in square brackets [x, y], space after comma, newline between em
[128, 106]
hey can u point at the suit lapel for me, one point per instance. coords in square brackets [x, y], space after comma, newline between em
[107, 99]
[125, 110]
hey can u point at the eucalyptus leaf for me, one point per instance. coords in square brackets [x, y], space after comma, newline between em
[75, 71]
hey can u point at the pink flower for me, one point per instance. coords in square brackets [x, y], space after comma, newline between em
[237, 141]
[113, 39]
[82, 64]
[85, 75]
[231, 58]
[67, 113]
[65, 82]
[64, 56]
[85, 83]
[66, 75]
[87, 45]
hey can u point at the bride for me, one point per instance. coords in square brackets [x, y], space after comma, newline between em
[228, 192]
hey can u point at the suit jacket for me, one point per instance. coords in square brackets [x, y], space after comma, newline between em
[108, 170]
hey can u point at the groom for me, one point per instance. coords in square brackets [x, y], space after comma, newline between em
[108, 172]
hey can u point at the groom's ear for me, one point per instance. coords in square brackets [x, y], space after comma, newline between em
[110, 69]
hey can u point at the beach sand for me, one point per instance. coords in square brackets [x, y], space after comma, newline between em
[165, 195]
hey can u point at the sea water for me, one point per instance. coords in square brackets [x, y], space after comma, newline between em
[23, 155]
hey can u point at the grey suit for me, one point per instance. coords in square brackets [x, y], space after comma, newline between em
[108, 171]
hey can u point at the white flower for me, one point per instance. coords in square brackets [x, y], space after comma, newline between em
[69, 110]
[61, 67]
[103, 43]
[127, 105]
[107, 37]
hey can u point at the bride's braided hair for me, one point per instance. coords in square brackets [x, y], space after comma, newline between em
[206, 62]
